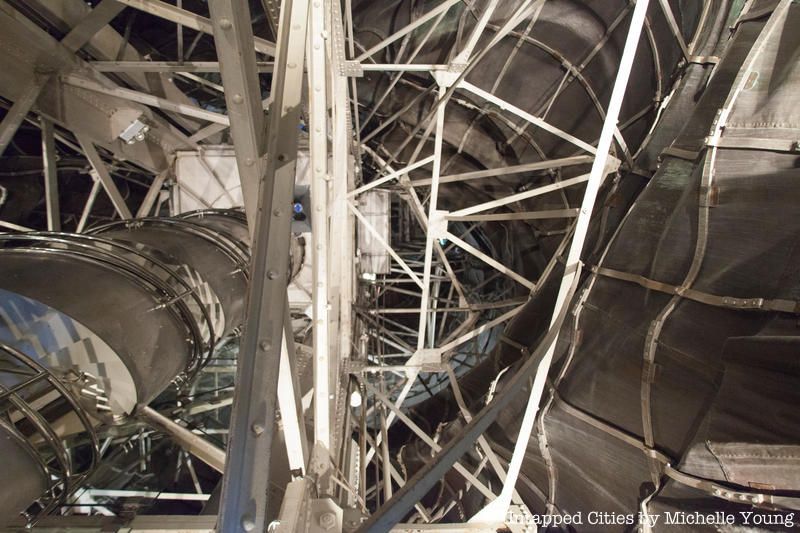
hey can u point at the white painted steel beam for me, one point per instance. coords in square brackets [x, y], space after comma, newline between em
[496, 509]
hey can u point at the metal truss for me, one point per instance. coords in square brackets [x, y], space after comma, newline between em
[394, 359]
[372, 359]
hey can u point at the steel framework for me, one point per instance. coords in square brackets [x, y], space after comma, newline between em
[366, 364]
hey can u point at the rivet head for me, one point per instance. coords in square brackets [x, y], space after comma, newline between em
[258, 429]
[272, 274]
[225, 24]
[264, 345]
[327, 520]
[248, 524]
[237, 99]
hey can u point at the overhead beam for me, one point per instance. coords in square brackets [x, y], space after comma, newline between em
[190, 20]
[169, 66]
[73, 41]
[146, 99]
[97, 18]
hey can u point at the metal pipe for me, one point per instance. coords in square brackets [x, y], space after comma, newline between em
[194, 444]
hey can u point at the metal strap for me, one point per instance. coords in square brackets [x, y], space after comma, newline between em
[755, 143]
[679, 153]
[737, 495]
[728, 302]
[704, 60]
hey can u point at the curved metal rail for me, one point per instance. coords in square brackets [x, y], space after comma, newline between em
[32, 425]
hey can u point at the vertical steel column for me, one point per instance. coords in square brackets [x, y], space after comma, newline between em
[430, 237]
[50, 176]
[246, 480]
[496, 510]
[341, 231]
[233, 38]
[318, 133]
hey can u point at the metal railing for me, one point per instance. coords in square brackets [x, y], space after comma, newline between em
[28, 393]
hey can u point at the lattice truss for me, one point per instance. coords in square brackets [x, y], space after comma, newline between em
[413, 242]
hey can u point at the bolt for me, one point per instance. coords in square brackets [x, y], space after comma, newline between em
[264, 345]
[258, 429]
[327, 520]
[272, 274]
[225, 24]
[277, 212]
[248, 524]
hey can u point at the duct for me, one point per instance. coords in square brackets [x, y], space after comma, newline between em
[109, 320]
